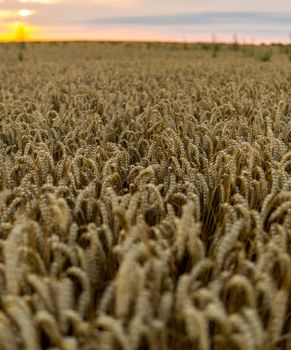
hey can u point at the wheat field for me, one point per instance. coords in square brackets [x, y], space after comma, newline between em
[145, 197]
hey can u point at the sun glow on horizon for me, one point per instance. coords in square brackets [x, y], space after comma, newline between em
[18, 31]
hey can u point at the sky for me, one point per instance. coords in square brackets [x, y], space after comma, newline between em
[251, 21]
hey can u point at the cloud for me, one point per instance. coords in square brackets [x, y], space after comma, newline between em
[204, 18]
[12, 15]
[5, 14]
[8, 15]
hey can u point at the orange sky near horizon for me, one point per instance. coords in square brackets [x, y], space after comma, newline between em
[14, 21]
[144, 20]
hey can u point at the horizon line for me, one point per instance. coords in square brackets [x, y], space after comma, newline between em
[144, 41]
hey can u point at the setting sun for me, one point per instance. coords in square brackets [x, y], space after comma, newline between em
[21, 32]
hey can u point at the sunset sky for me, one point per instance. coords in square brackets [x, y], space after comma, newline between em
[170, 20]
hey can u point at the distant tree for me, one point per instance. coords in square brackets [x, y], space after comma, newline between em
[21, 37]
[235, 45]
